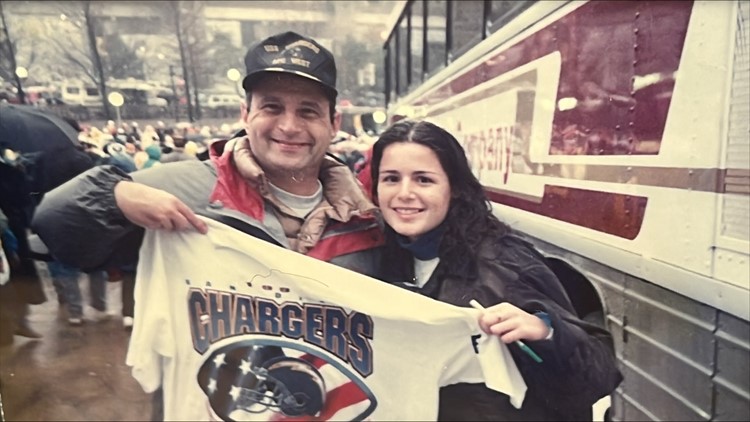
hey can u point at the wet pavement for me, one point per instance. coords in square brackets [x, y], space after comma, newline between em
[72, 373]
[79, 373]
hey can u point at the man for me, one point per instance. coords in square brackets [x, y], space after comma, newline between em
[273, 181]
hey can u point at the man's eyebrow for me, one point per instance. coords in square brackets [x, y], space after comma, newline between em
[268, 97]
[313, 104]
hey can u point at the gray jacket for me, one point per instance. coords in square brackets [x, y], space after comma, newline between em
[82, 226]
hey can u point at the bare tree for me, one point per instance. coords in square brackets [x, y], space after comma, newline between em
[83, 51]
[181, 34]
[89, 21]
[197, 51]
[7, 48]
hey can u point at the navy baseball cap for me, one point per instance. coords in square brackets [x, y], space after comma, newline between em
[292, 53]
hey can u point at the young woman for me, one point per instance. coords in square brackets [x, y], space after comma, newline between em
[443, 241]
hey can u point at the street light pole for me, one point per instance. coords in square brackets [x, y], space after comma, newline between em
[117, 100]
[21, 74]
[176, 106]
[234, 75]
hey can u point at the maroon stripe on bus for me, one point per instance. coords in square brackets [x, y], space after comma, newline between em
[619, 60]
[612, 213]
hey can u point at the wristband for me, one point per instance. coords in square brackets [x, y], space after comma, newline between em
[547, 321]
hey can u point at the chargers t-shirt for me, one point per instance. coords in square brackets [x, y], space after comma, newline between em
[234, 328]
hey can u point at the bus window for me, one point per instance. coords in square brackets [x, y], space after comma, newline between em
[503, 11]
[436, 11]
[390, 66]
[466, 24]
[417, 42]
[403, 56]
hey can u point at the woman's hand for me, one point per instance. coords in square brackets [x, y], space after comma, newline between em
[512, 323]
[155, 209]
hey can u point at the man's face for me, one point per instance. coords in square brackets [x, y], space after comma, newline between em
[288, 125]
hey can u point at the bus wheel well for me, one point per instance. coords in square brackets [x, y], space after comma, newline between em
[581, 292]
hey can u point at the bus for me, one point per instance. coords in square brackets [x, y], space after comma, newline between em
[614, 135]
[78, 93]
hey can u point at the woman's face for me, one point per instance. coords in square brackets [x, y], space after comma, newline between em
[413, 189]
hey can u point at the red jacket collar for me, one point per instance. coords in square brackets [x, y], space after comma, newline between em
[231, 189]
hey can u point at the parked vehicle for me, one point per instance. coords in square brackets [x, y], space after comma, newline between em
[615, 136]
[76, 92]
[221, 104]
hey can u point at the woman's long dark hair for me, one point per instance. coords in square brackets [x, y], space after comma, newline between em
[469, 219]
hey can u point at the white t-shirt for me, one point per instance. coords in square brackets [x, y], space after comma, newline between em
[229, 325]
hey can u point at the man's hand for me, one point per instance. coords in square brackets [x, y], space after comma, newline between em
[512, 323]
[155, 209]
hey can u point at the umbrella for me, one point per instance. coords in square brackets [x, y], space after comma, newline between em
[47, 145]
[26, 129]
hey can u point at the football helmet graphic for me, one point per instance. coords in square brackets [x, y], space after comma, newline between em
[257, 379]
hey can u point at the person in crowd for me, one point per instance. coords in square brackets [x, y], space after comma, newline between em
[177, 151]
[54, 170]
[121, 136]
[99, 138]
[161, 129]
[66, 278]
[140, 158]
[149, 136]
[443, 241]
[273, 181]
[110, 128]
[135, 131]
[191, 149]
[154, 156]
[118, 156]
[131, 149]
[24, 287]
[12, 307]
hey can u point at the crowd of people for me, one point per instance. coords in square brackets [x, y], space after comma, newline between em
[422, 222]
[126, 147]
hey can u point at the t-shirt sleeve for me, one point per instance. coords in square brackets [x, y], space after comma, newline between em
[480, 358]
[152, 339]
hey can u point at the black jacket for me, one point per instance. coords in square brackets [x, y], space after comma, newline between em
[578, 365]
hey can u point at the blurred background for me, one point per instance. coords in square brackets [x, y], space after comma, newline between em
[179, 61]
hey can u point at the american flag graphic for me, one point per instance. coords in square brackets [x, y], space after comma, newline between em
[262, 382]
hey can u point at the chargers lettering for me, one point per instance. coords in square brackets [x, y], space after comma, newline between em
[215, 315]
